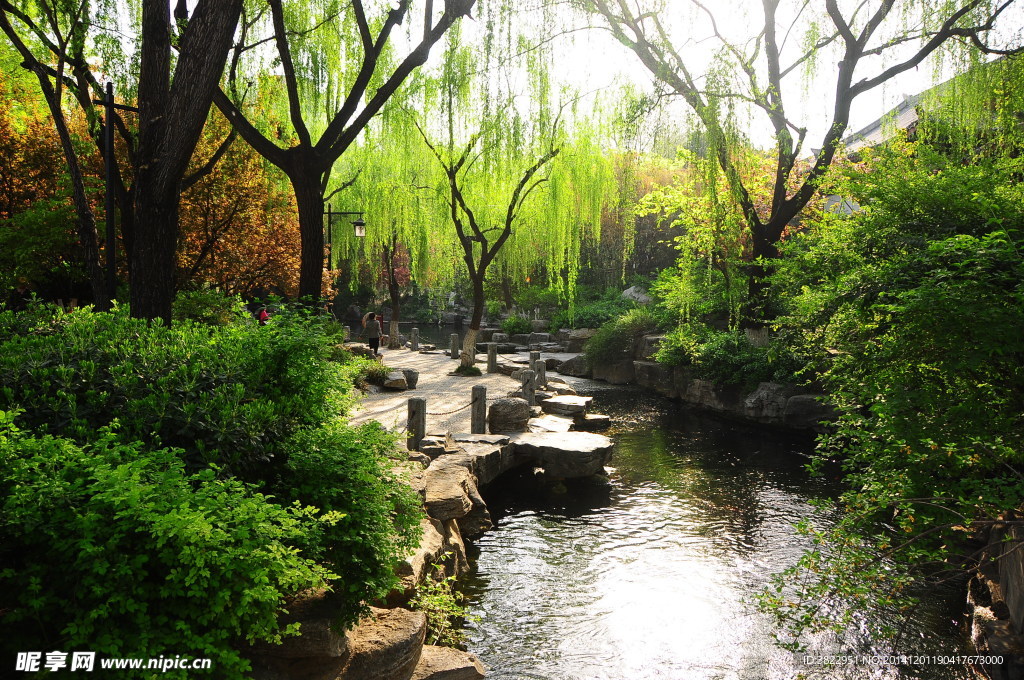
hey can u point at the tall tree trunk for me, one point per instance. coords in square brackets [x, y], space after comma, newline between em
[468, 355]
[152, 258]
[506, 292]
[309, 199]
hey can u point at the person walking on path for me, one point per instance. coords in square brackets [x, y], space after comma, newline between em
[371, 328]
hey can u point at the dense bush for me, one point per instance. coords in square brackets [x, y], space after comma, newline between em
[118, 549]
[347, 470]
[728, 357]
[208, 306]
[912, 309]
[593, 310]
[615, 341]
[516, 325]
[225, 395]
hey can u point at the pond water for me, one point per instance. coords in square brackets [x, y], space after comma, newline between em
[653, 574]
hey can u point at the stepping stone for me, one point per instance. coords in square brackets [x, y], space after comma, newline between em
[550, 423]
[592, 422]
[568, 405]
[565, 454]
[396, 381]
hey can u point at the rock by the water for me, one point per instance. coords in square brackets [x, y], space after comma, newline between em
[537, 338]
[655, 376]
[808, 411]
[576, 367]
[508, 415]
[578, 338]
[445, 663]
[619, 373]
[592, 422]
[315, 612]
[396, 381]
[566, 454]
[385, 645]
[448, 490]
[567, 404]
[550, 423]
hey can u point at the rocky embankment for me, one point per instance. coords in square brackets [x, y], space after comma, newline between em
[447, 471]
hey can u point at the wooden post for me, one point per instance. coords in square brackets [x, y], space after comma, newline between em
[455, 346]
[417, 423]
[541, 369]
[529, 387]
[492, 357]
[414, 342]
[478, 422]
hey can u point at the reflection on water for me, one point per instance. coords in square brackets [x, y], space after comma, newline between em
[651, 575]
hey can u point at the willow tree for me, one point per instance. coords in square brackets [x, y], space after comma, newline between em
[874, 42]
[515, 185]
[339, 65]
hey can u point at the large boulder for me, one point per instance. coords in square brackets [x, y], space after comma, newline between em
[578, 338]
[619, 373]
[385, 645]
[537, 338]
[636, 294]
[808, 411]
[648, 346]
[655, 376]
[315, 612]
[565, 454]
[445, 663]
[412, 377]
[396, 381]
[520, 339]
[767, 404]
[576, 367]
[508, 415]
[450, 490]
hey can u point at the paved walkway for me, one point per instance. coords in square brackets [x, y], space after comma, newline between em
[444, 393]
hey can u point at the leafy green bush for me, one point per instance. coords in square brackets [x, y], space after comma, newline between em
[615, 341]
[347, 470]
[516, 325]
[208, 306]
[593, 313]
[226, 395]
[443, 606]
[728, 358]
[114, 548]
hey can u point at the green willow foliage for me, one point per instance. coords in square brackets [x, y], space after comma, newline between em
[511, 112]
[914, 308]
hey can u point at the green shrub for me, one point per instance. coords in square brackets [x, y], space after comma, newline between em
[443, 606]
[615, 341]
[114, 548]
[227, 395]
[516, 325]
[208, 306]
[728, 358]
[593, 313]
[347, 470]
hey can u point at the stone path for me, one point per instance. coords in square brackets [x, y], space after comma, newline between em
[444, 393]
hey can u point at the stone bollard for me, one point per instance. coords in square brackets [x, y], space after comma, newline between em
[455, 346]
[534, 357]
[414, 342]
[478, 420]
[416, 423]
[530, 387]
[492, 357]
[540, 368]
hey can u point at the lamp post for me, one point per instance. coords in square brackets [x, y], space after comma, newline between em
[358, 225]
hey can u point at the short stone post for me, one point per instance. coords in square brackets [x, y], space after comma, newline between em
[455, 345]
[534, 357]
[414, 341]
[478, 420]
[492, 357]
[530, 387]
[417, 423]
[540, 368]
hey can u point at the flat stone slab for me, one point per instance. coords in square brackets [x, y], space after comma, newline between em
[565, 455]
[592, 422]
[445, 663]
[567, 404]
[550, 423]
[465, 438]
